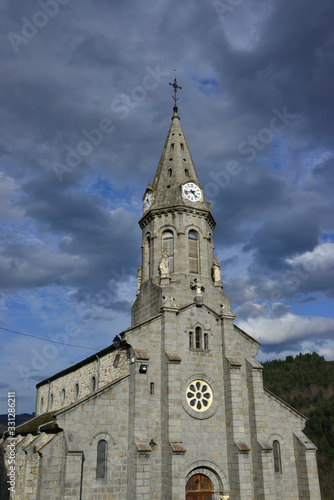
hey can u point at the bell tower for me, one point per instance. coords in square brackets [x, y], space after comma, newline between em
[177, 226]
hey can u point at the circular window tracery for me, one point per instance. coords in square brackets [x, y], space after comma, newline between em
[199, 395]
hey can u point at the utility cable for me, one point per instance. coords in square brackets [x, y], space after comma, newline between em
[48, 340]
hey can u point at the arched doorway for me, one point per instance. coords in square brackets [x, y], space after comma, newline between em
[199, 487]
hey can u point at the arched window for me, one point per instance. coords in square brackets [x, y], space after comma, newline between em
[147, 258]
[198, 337]
[168, 243]
[76, 390]
[193, 252]
[277, 457]
[41, 405]
[51, 400]
[101, 463]
[93, 383]
[63, 396]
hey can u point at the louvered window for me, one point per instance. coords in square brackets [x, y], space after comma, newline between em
[193, 252]
[168, 243]
[147, 258]
[101, 465]
[277, 457]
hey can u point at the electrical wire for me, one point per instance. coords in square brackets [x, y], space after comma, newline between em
[48, 340]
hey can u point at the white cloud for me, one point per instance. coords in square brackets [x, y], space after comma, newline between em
[320, 259]
[287, 328]
[244, 30]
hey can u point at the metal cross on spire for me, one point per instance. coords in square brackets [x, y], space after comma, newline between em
[176, 88]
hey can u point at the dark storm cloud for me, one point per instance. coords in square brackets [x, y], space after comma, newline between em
[84, 239]
[276, 240]
[87, 64]
[90, 239]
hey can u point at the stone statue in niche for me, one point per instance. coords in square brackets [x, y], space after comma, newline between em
[164, 264]
[215, 270]
[139, 278]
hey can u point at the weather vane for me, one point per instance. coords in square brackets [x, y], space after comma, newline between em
[176, 88]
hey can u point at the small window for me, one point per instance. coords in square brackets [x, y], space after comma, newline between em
[76, 390]
[116, 360]
[277, 458]
[51, 401]
[182, 146]
[170, 171]
[190, 340]
[193, 252]
[168, 243]
[63, 396]
[198, 335]
[206, 341]
[101, 465]
[172, 146]
[186, 172]
[151, 388]
[41, 404]
[93, 383]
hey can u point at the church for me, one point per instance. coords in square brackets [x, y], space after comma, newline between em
[175, 408]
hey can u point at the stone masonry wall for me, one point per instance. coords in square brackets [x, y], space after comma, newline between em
[112, 366]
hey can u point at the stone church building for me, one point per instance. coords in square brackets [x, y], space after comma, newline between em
[175, 408]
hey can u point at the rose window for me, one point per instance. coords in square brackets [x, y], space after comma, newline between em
[199, 395]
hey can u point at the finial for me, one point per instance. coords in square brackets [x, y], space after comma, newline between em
[176, 87]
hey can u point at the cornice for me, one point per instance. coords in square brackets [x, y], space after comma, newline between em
[158, 212]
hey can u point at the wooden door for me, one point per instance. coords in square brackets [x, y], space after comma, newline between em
[199, 488]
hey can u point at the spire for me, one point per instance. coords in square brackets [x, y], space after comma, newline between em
[176, 168]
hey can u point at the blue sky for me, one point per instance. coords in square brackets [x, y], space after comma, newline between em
[85, 110]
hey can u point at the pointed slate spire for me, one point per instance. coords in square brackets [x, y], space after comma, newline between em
[175, 168]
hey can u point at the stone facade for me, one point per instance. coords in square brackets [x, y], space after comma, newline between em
[180, 397]
[81, 380]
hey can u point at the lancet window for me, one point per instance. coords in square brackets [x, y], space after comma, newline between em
[193, 252]
[168, 243]
[101, 464]
[277, 457]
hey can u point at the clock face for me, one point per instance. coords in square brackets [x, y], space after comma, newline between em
[192, 192]
[147, 200]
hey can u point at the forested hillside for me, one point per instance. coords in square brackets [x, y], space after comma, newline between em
[306, 382]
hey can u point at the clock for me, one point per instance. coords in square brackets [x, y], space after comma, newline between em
[192, 192]
[147, 200]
